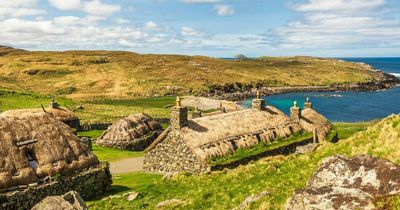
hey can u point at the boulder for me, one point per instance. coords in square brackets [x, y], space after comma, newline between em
[251, 199]
[170, 204]
[306, 148]
[70, 201]
[348, 183]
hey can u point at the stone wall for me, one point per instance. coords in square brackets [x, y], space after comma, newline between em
[94, 126]
[88, 184]
[171, 156]
[138, 144]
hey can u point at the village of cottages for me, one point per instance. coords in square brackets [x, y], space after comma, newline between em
[42, 156]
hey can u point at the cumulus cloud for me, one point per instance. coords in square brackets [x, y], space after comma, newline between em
[151, 25]
[66, 5]
[19, 8]
[224, 10]
[121, 21]
[188, 31]
[336, 24]
[92, 7]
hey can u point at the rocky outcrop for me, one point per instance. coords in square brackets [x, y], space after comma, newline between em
[348, 183]
[238, 92]
[70, 201]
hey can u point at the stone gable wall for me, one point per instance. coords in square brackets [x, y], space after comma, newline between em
[88, 184]
[171, 156]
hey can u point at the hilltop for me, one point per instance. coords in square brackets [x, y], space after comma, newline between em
[118, 74]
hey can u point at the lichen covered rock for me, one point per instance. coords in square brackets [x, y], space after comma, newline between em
[348, 183]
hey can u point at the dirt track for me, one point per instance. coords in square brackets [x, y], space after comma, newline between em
[127, 165]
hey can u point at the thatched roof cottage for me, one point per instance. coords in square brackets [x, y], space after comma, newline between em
[61, 113]
[35, 147]
[188, 144]
[135, 132]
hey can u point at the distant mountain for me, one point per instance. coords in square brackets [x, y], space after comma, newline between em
[4, 50]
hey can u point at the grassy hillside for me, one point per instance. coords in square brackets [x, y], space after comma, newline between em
[113, 74]
[280, 176]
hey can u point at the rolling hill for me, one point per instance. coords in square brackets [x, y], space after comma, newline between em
[117, 74]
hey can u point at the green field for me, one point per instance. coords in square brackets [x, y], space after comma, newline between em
[111, 154]
[94, 110]
[280, 175]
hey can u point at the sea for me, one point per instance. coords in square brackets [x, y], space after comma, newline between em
[348, 106]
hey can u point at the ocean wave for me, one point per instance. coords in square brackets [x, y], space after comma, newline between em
[395, 74]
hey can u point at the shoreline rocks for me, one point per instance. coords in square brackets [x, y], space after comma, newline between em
[230, 92]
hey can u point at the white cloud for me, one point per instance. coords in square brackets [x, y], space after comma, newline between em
[91, 7]
[337, 24]
[66, 4]
[17, 3]
[200, 1]
[96, 7]
[187, 31]
[19, 8]
[339, 5]
[224, 10]
[151, 25]
[121, 21]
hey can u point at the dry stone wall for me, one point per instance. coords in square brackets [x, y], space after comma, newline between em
[171, 156]
[88, 184]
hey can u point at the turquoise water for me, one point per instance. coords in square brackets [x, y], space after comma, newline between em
[348, 106]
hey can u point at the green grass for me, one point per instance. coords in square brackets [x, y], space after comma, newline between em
[93, 134]
[345, 130]
[94, 110]
[12, 99]
[226, 189]
[259, 148]
[111, 154]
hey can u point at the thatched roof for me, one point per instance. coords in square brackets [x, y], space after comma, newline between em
[129, 129]
[37, 145]
[311, 120]
[61, 113]
[212, 135]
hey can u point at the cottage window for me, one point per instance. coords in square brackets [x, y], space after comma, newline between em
[32, 160]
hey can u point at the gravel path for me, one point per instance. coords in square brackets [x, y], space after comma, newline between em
[127, 165]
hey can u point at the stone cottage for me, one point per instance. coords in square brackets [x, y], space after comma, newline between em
[40, 156]
[59, 112]
[135, 132]
[189, 144]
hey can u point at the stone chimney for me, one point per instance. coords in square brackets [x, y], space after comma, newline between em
[295, 113]
[53, 104]
[307, 104]
[179, 115]
[196, 113]
[258, 102]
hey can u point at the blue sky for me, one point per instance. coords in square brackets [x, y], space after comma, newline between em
[220, 28]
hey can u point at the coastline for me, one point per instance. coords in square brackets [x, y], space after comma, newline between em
[380, 81]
